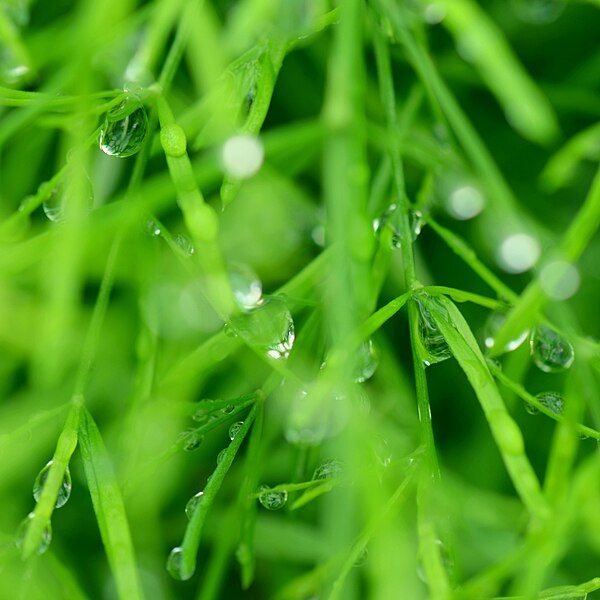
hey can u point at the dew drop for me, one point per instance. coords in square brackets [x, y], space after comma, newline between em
[242, 156]
[417, 221]
[550, 351]
[175, 565]
[221, 455]
[124, 130]
[235, 429]
[185, 244]
[22, 532]
[228, 409]
[64, 492]
[493, 324]
[552, 401]
[328, 470]
[268, 327]
[362, 558]
[192, 504]
[447, 563]
[247, 287]
[271, 499]
[54, 206]
[192, 440]
[434, 344]
[367, 361]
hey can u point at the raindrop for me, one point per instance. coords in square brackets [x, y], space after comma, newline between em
[434, 344]
[124, 130]
[185, 244]
[22, 532]
[192, 504]
[328, 470]
[242, 156]
[272, 499]
[493, 324]
[247, 287]
[175, 565]
[552, 401]
[366, 363]
[518, 253]
[362, 557]
[417, 221]
[551, 352]
[64, 492]
[268, 327]
[192, 440]
[235, 429]
[221, 455]
[228, 409]
[153, 228]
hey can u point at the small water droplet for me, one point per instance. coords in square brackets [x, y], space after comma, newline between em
[552, 401]
[192, 504]
[271, 499]
[268, 327]
[447, 563]
[493, 324]
[434, 344]
[228, 409]
[64, 492]
[417, 221]
[153, 228]
[235, 429]
[175, 565]
[367, 361]
[221, 455]
[247, 287]
[192, 440]
[550, 351]
[242, 156]
[382, 451]
[124, 129]
[185, 244]
[362, 558]
[329, 469]
[22, 532]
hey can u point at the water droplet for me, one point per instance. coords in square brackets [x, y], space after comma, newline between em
[124, 130]
[417, 221]
[538, 12]
[550, 351]
[192, 440]
[531, 409]
[235, 429]
[192, 504]
[221, 455]
[362, 558]
[447, 563]
[153, 228]
[329, 469]
[367, 361]
[434, 343]
[382, 451]
[22, 532]
[242, 156]
[552, 401]
[493, 325]
[185, 244]
[64, 492]
[247, 287]
[465, 201]
[228, 409]
[518, 253]
[55, 204]
[12, 71]
[559, 279]
[175, 565]
[271, 499]
[268, 327]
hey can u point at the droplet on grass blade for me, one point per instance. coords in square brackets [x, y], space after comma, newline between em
[175, 565]
[447, 563]
[221, 455]
[124, 130]
[367, 361]
[235, 429]
[550, 351]
[328, 469]
[434, 344]
[242, 156]
[272, 499]
[22, 532]
[185, 244]
[551, 400]
[247, 287]
[192, 504]
[64, 492]
[493, 325]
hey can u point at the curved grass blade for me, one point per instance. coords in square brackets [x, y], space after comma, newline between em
[109, 509]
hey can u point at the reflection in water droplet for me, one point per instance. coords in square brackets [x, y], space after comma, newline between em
[64, 492]
[192, 504]
[221, 455]
[493, 325]
[175, 565]
[434, 345]
[22, 532]
[367, 361]
[242, 156]
[235, 429]
[550, 351]
[268, 327]
[247, 287]
[417, 221]
[329, 469]
[552, 401]
[271, 499]
[124, 130]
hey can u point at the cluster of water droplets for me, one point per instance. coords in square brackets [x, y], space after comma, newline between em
[272, 499]
[124, 129]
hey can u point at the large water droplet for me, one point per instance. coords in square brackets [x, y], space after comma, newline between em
[64, 492]
[54, 206]
[235, 429]
[192, 504]
[493, 324]
[247, 287]
[22, 532]
[367, 361]
[221, 455]
[268, 327]
[551, 400]
[550, 351]
[272, 499]
[329, 469]
[124, 130]
[175, 565]
[434, 344]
